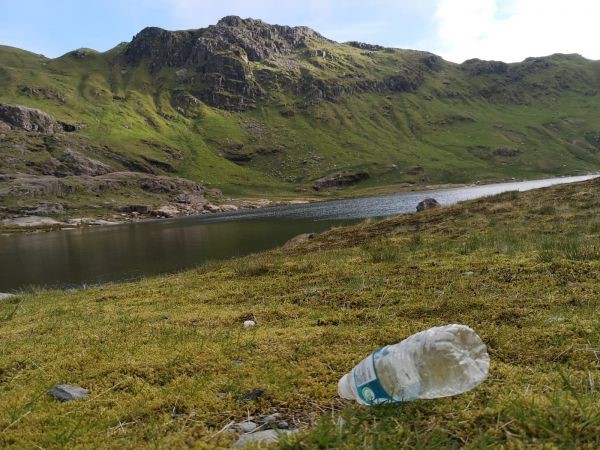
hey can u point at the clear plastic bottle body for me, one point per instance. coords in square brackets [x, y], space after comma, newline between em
[438, 362]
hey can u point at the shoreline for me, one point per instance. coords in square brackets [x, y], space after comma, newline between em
[37, 224]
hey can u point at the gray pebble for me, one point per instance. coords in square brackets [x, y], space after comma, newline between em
[272, 418]
[66, 392]
[283, 425]
[252, 395]
[260, 438]
[246, 427]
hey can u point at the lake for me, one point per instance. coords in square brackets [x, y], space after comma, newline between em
[71, 258]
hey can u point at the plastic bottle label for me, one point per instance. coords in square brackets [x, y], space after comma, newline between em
[367, 382]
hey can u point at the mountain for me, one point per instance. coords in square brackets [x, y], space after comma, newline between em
[258, 109]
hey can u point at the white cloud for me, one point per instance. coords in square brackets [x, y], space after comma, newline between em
[511, 30]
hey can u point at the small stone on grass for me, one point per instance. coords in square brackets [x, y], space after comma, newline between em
[67, 393]
[252, 395]
[272, 418]
[246, 427]
[260, 438]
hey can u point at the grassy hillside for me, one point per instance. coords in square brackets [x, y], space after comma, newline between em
[318, 110]
[162, 356]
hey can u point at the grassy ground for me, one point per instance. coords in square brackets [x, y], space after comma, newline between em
[157, 355]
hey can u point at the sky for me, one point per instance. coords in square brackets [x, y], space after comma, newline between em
[506, 30]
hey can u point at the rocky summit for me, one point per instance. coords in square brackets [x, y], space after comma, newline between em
[254, 110]
[220, 57]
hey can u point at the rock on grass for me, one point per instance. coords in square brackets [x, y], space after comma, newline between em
[67, 393]
[261, 438]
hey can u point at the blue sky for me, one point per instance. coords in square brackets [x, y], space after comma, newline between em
[509, 30]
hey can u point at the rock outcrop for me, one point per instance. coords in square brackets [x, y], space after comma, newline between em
[79, 164]
[43, 93]
[172, 188]
[478, 67]
[41, 197]
[365, 46]
[31, 222]
[220, 54]
[506, 152]
[342, 179]
[253, 39]
[214, 64]
[31, 119]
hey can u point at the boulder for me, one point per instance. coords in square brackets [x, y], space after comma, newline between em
[4, 296]
[212, 208]
[168, 211]
[428, 203]
[229, 208]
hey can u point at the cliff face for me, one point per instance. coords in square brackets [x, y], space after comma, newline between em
[251, 40]
[234, 63]
[216, 64]
[219, 57]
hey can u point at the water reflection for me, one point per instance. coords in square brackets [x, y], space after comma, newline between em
[96, 255]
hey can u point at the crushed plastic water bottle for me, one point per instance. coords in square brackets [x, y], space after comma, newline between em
[438, 362]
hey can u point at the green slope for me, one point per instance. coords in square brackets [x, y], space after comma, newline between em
[320, 109]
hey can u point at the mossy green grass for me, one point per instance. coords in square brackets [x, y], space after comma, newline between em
[521, 269]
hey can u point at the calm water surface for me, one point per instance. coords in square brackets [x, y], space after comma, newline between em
[95, 255]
